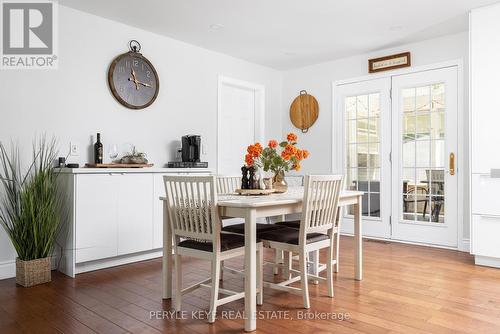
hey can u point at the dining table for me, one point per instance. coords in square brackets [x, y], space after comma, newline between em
[251, 208]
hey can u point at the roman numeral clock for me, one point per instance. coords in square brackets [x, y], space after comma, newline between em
[133, 79]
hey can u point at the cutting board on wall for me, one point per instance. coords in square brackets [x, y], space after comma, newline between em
[304, 111]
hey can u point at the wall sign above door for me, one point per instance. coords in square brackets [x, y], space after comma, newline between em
[389, 62]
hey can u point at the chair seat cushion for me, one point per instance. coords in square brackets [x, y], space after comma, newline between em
[240, 228]
[291, 236]
[228, 241]
[292, 224]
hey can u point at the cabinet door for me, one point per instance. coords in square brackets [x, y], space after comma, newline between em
[485, 231]
[135, 213]
[485, 52]
[96, 224]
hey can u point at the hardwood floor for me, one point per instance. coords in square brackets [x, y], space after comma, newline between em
[406, 289]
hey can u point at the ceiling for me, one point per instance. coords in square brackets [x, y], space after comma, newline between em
[286, 34]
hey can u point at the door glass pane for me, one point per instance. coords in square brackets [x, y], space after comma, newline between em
[437, 93]
[409, 100]
[423, 99]
[363, 149]
[350, 107]
[423, 153]
[362, 106]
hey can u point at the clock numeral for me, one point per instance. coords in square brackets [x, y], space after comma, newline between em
[136, 63]
[127, 64]
[121, 69]
[148, 74]
[121, 89]
[142, 67]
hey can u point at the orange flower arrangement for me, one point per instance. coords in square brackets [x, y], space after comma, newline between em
[270, 160]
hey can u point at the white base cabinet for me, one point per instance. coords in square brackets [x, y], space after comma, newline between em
[113, 217]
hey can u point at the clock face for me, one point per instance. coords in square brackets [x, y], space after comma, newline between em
[133, 80]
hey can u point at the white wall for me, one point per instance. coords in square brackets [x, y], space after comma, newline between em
[317, 80]
[74, 102]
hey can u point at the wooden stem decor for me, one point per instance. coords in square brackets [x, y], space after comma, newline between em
[304, 111]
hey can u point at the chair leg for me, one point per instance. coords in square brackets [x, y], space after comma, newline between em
[287, 262]
[329, 273]
[303, 278]
[260, 275]
[314, 265]
[337, 242]
[178, 282]
[214, 294]
[221, 270]
[278, 259]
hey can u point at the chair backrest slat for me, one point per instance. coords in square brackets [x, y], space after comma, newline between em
[228, 184]
[192, 206]
[320, 204]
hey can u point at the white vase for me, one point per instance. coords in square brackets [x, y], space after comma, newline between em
[262, 185]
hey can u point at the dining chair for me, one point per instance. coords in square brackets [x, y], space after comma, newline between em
[195, 224]
[435, 181]
[228, 185]
[317, 231]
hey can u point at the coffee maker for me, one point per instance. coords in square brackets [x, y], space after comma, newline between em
[191, 145]
[190, 153]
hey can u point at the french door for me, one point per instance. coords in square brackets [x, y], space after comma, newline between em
[399, 148]
[366, 109]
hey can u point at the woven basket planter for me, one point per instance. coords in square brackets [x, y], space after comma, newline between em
[34, 272]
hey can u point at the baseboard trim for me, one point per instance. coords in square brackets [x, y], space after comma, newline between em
[463, 247]
[487, 261]
[117, 261]
[8, 268]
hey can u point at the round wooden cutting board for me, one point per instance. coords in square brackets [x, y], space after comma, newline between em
[304, 111]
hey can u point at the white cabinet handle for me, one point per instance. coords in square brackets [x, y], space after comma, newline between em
[495, 173]
[490, 217]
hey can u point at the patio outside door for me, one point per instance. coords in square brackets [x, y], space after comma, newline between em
[424, 140]
[366, 119]
[401, 151]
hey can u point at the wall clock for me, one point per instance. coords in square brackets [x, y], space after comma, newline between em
[133, 79]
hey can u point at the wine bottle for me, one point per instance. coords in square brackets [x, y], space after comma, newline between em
[98, 150]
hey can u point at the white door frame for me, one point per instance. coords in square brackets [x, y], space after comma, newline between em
[337, 146]
[260, 106]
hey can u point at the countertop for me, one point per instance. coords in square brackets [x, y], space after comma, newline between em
[149, 170]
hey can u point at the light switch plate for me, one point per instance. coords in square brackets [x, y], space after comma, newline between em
[74, 149]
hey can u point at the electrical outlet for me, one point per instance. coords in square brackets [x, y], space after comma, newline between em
[74, 149]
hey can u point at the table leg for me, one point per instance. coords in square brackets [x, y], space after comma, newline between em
[250, 270]
[167, 255]
[358, 241]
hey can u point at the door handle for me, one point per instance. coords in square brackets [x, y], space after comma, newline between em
[452, 163]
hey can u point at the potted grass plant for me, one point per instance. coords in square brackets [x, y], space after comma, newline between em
[30, 209]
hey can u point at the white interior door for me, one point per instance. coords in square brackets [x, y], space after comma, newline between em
[239, 121]
[424, 141]
[366, 122]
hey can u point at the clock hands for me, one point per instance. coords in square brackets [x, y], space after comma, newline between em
[137, 82]
[134, 79]
[144, 84]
